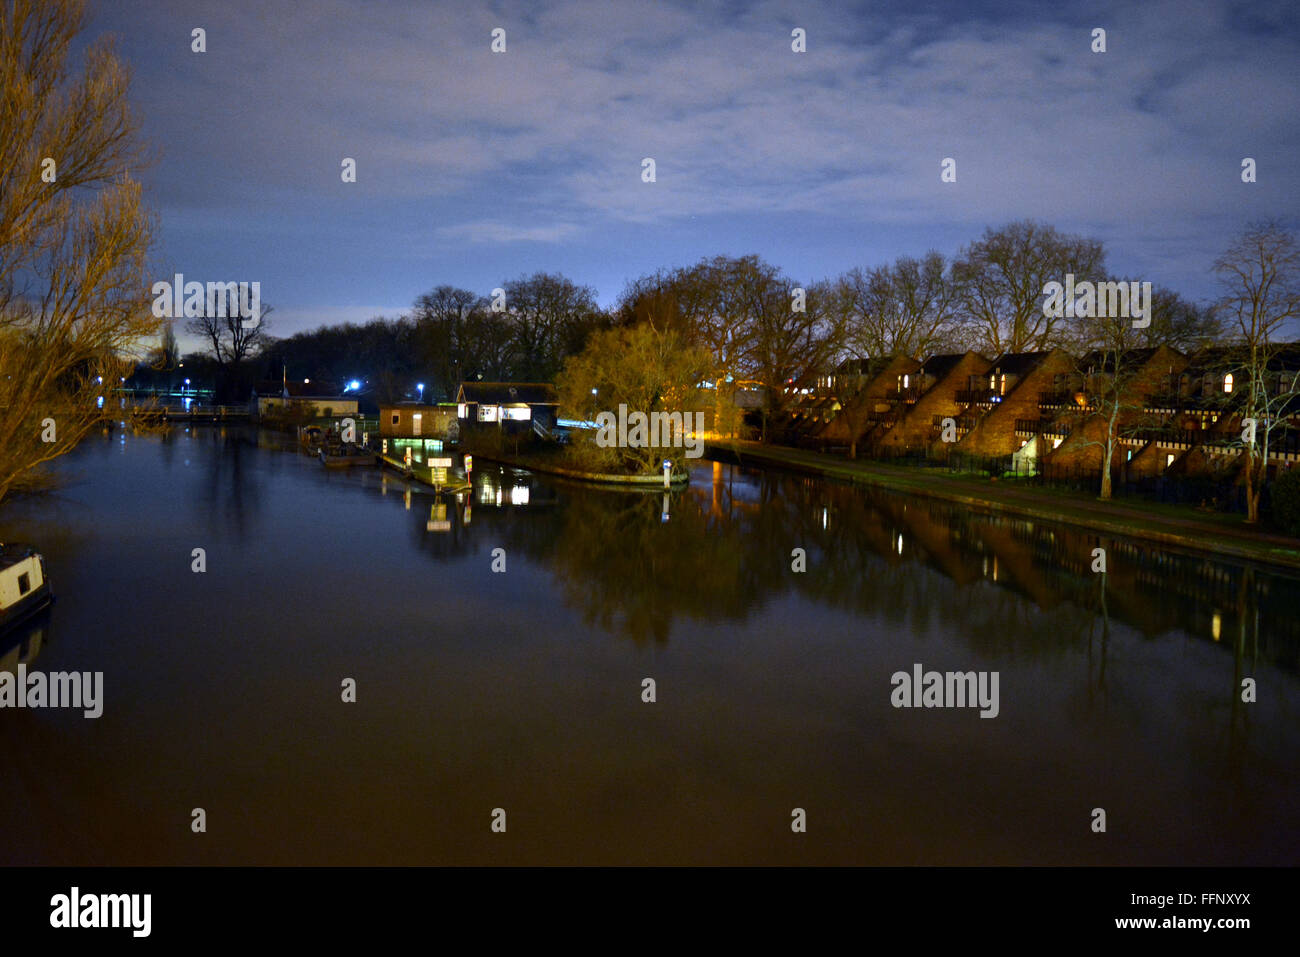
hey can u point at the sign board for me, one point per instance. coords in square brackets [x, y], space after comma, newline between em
[438, 463]
[469, 463]
[438, 476]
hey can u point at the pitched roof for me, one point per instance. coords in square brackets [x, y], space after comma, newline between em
[1018, 363]
[940, 365]
[509, 393]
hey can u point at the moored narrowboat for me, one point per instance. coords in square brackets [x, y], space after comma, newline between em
[24, 586]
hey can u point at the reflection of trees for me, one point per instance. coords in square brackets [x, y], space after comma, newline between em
[1009, 586]
[231, 497]
[630, 572]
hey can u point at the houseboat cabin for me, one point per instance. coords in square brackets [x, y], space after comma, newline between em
[24, 588]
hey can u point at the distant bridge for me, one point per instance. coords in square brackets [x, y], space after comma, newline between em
[195, 413]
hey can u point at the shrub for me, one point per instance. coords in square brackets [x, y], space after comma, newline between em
[1285, 495]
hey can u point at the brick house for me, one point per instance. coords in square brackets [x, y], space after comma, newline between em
[866, 403]
[1081, 421]
[1007, 393]
[929, 395]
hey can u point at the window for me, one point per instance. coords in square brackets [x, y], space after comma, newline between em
[397, 418]
[516, 413]
[906, 381]
[24, 584]
[416, 421]
[487, 413]
[462, 410]
[1169, 460]
[1227, 382]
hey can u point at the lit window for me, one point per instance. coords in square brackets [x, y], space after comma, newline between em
[1227, 382]
[1169, 460]
[906, 381]
[462, 410]
[517, 413]
[487, 413]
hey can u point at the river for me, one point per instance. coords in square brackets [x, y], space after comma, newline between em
[523, 689]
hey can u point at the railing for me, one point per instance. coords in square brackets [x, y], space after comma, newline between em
[975, 396]
[1048, 427]
[910, 394]
[1055, 400]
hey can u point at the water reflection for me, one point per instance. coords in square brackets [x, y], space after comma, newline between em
[635, 562]
[477, 689]
[22, 644]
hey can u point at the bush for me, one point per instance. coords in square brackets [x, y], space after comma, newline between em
[1285, 496]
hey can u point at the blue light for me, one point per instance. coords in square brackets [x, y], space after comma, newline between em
[353, 386]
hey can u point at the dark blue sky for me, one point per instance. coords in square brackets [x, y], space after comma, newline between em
[475, 168]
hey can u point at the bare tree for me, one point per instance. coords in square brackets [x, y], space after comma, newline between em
[1260, 277]
[74, 233]
[549, 317]
[440, 336]
[230, 337]
[906, 308]
[1001, 278]
[1179, 323]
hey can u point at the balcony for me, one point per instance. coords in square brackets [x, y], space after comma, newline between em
[977, 396]
[1047, 427]
[1056, 400]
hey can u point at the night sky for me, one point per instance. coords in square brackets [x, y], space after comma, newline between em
[474, 168]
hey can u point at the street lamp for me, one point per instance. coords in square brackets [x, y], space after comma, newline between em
[420, 386]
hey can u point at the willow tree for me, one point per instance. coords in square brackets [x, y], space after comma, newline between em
[73, 233]
[647, 371]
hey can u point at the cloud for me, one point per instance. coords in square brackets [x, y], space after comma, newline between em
[543, 144]
[490, 232]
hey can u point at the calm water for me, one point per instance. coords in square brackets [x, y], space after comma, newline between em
[522, 690]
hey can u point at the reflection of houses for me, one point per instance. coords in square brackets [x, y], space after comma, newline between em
[298, 398]
[510, 407]
[413, 420]
[929, 396]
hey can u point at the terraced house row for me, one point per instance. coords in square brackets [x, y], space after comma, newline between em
[1160, 410]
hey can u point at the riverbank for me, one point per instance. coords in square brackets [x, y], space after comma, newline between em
[1176, 526]
[540, 463]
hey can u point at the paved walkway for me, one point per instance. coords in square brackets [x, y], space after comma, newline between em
[1169, 525]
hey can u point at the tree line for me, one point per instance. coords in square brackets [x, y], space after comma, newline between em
[760, 326]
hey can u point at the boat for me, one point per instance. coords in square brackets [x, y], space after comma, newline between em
[312, 438]
[24, 586]
[345, 456]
